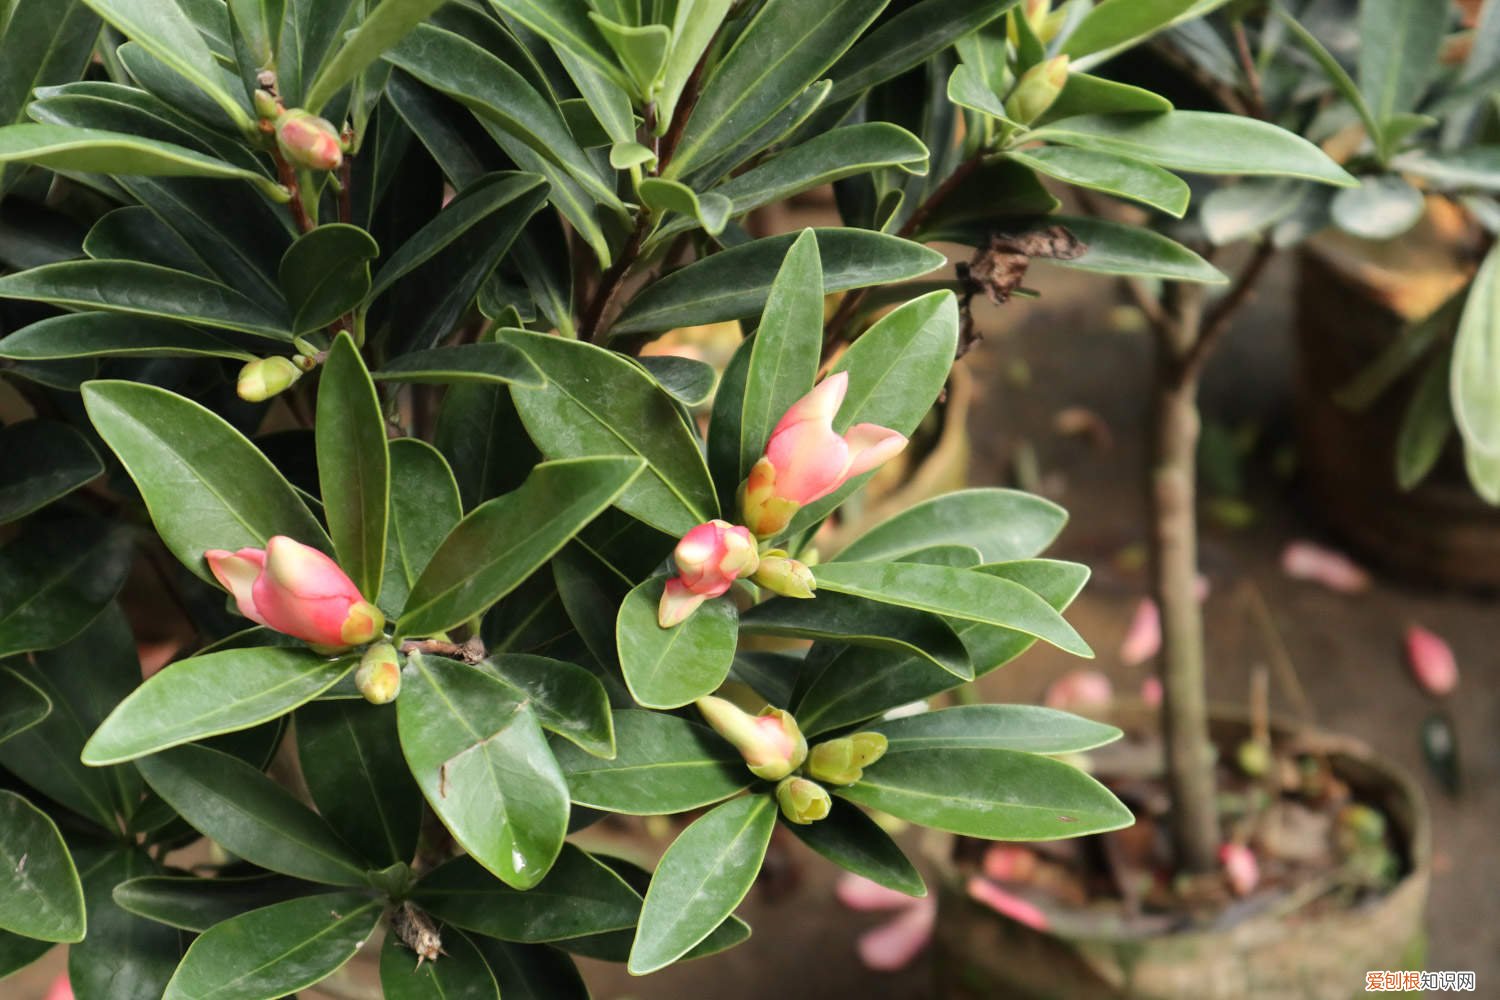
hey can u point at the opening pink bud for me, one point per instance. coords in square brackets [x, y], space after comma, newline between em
[309, 141]
[236, 573]
[296, 589]
[771, 743]
[709, 559]
[677, 603]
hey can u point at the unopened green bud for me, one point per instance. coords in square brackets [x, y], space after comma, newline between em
[266, 377]
[309, 141]
[1253, 757]
[771, 743]
[842, 761]
[379, 675]
[803, 801]
[783, 575]
[266, 105]
[1037, 89]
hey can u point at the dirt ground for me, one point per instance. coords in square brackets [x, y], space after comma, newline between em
[1065, 350]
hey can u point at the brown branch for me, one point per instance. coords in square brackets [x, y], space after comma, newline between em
[686, 102]
[1222, 314]
[470, 651]
[592, 328]
[289, 181]
[1255, 99]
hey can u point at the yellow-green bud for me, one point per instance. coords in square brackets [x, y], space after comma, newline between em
[309, 141]
[266, 377]
[266, 105]
[771, 743]
[1037, 89]
[1253, 757]
[783, 575]
[379, 675]
[803, 801]
[842, 761]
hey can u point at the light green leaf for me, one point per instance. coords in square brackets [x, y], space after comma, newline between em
[1474, 389]
[670, 667]
[1399, 41]
[354, 471]
[1120, 22]
[387, 23]
[88, 150]
[206, 486]
[642, 49]
[701, 879]
[1117, 248]
[694, 24]
[1002, 524]
[1023, 728]
[566, 24]
[1116, 175]
[710, 209]
[1084, 94]
[40, 895]
[968, 89]
[1383, 207]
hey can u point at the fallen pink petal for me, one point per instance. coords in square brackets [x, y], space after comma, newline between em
[1009, 863]
[1079, 690]
[894, 944]
[859, 893]
[1431, 659]
[1240, 868]
[1143, 635]
[1304, 560]
[985, 892]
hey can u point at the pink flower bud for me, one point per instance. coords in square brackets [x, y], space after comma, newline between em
[1079, 690]
[709, 559]
[1240, 868]
[309, 141]
[1431, 660]
[771, 743]
[806, 459]
[296, 589]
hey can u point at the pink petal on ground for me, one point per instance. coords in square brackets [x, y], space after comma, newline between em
[1240, 868]
[896, 942]
[61, 989]
[1431, 660]
[1151, 691]
[1009, 863]
[1143, 636]
[991, 895]
[1303, 560]
[859, 893]
[1079, 690]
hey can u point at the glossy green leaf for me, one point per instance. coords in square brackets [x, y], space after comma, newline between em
[566, 24]
[694, 25]
[256, 26]
[988, 793]
[1201, 142]
[689, 381]
[83, 335]
[326, 274]
[206, 486]
[387, 23]
[665, 765]
[782, 128]
[642, 49]
[1024, 728]
[123, 954]
[40, 461]
[482, 362]
[503, 541]
[1334, 70]
[166, 32]
[785, 353]
[277, 950]
[1085, 94]
[1116, 248]
[896, 370]
[670, 667]
[956, 593]
[1474, 167]
[1474, 390]
[462, 974]
[567, 699]
[45, 43]
[908, 39]
[210, 695]
[1399, 42]
[351, 759]
[55, 578]
[22, 704]
[354, 469]
[701, 879]
[1001, 524]
[735, 283]
[835, 617]
[779, 54]
[424, 507]
[579, 896]
[533, 972]
[1116, 175]
[498, 94]
[87, 150]
[710, 209]
[1381, 208]
[196, 904]
[40, 895]
[598, 403]
[968, 89]
[250, 815]
[1119, 22]
[1426, 426]
[484, 766]
[856, 843]
[144, 290]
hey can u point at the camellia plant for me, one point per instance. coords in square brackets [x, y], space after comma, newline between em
[321, 354]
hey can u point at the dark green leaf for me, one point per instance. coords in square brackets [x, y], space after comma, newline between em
[206, 486]
[566, 24]
[424, 508]
[387, 23]
[45, 43]
[210, 695]
[196, 904]
[686, 380]
[40, 461]
[484, 766]
[250, 815]
[17, 952]
[503, 541]
[22, 704]
[354, 469]
[123, 955]
[533, 972]
[40, 895]
[483, 363]
[665, 764]
[277, 950]
[836, 617]
[1026, 728]
[1093, 95]
[1426, 426]
[1002, 524]
[462, 974]
[310, 30]
[567, 699]
[701, 879]
[670, 667]
[1114, 23]
[856, 843]
[82, 335]
[87, 150]
[1399, 41]
[598, 403]
[908, 39]
[326, 273]
[55, 578]
[989, 793]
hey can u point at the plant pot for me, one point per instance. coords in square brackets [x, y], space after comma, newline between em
[1282, 955]
[1353, 301]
